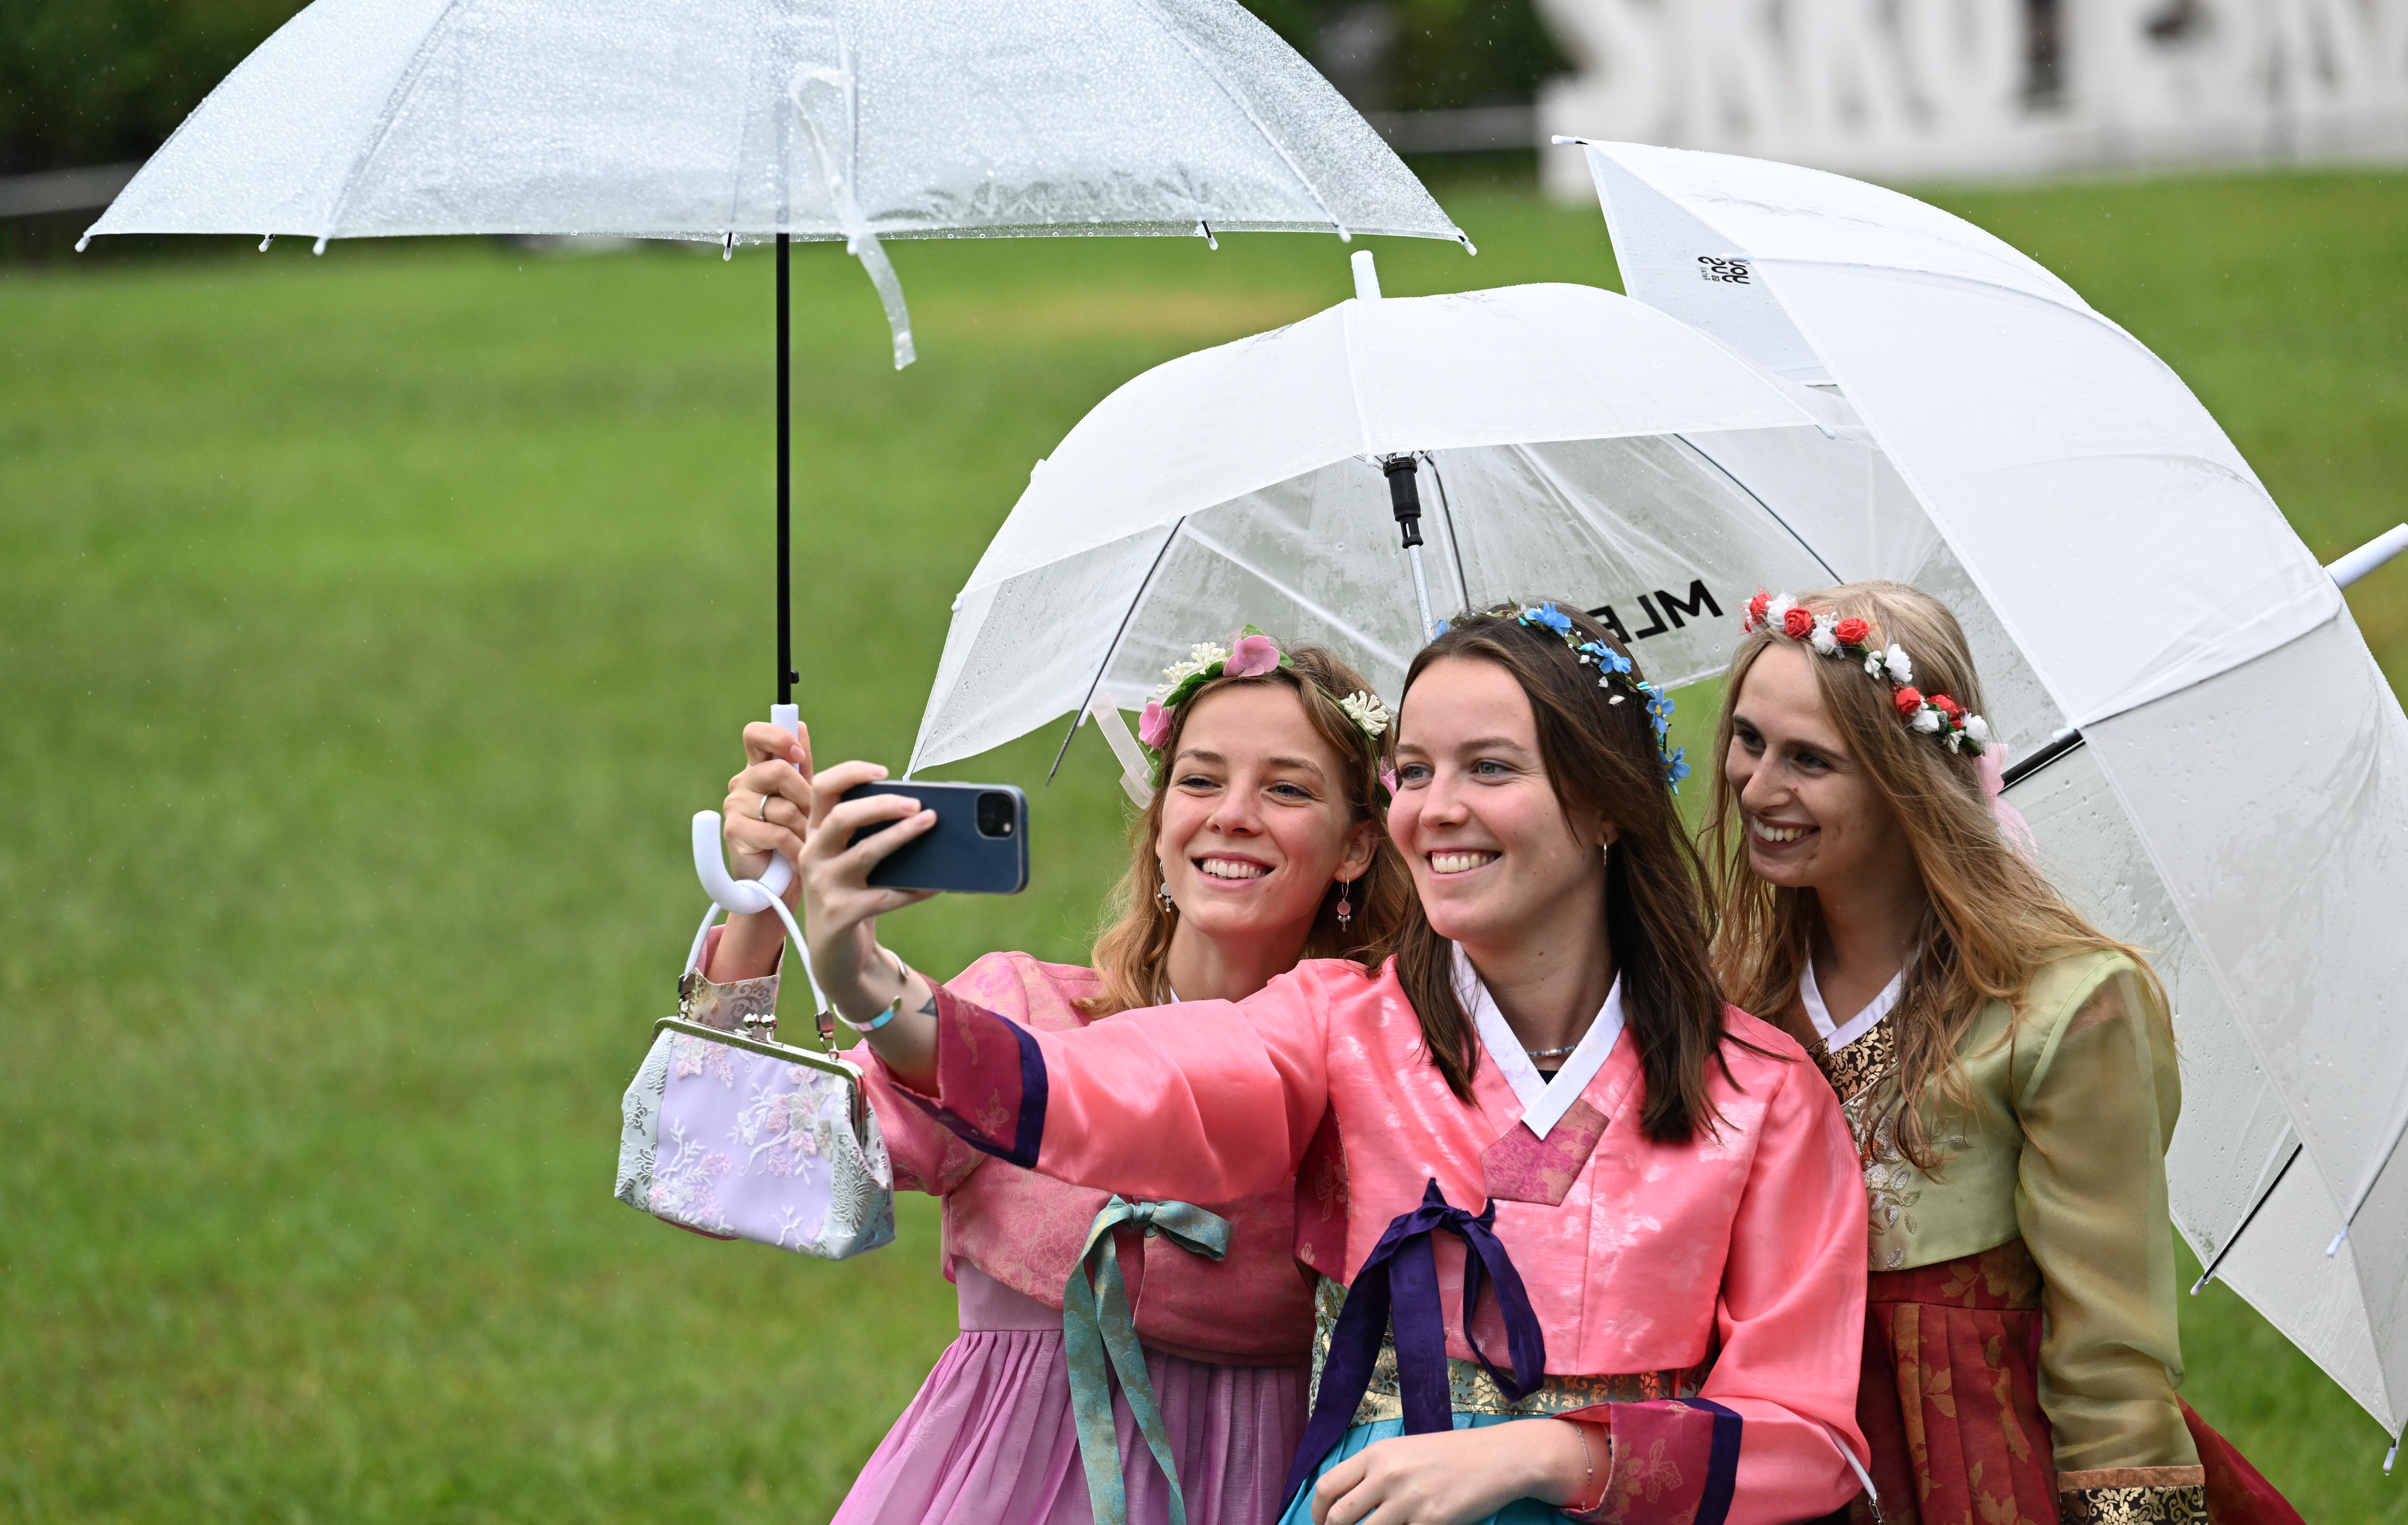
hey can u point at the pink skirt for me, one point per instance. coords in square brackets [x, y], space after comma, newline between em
[991, 1441]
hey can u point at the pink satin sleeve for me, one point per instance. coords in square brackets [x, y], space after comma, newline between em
[1791, 1318]
[1207, 1100]
[1790, 1323]
[928, 1156]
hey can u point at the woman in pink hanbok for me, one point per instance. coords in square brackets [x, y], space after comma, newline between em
[1259, 849]
[1653, 1313]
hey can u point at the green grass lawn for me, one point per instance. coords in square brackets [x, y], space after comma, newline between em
[369, 626]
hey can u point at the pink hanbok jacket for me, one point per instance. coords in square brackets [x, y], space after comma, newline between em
[1744, 1246]
[1025, 1230]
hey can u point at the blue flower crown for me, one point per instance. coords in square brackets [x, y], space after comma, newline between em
[1610, 664]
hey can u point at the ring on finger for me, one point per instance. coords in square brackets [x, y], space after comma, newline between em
[763, 811]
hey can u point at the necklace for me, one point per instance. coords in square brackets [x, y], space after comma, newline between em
[1551, 1053]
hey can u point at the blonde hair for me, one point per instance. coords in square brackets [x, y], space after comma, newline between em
[1991, 919]
[1134, 948]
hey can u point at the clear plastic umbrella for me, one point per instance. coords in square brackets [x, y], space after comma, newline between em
[739, 121]
[1550, 436]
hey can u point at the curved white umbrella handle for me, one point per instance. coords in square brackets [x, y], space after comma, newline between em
[744, 897]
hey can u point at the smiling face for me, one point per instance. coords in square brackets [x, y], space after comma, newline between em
[1493, 855]
[1256, 822]
[1814, 815]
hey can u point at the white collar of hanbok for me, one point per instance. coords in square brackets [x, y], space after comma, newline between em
[1838, 1035]
[1544, 1102]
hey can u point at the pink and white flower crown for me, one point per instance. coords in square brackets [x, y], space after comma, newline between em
[1827, 634]
[1249, 654]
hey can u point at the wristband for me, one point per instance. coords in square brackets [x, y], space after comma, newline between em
[893, 1007]
[874, 1024]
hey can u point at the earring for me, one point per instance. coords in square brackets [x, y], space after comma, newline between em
[1162, 898]
[1345, 906]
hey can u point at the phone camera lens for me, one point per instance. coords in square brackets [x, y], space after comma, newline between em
[995, 816]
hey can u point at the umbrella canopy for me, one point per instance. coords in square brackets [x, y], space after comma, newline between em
[2241, 804]
[750, 118]
[1565, 438]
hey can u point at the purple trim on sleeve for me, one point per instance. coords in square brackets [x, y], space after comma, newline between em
[990, 1085]
[1721, 1464]
[1033, 1096]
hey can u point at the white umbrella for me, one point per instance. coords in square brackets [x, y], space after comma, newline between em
[2229, 781]
[739, 121]
[1558, 436]
[1952, 416]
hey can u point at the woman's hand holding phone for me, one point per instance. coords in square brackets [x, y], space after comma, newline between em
[840, 911]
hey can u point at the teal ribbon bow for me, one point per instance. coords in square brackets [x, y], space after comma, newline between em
[1096, 1324]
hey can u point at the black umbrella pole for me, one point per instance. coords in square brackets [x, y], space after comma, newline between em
[786, 673]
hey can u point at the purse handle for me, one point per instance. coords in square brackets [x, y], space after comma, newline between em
[748, 897]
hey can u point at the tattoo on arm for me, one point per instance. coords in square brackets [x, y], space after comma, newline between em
[928, 1008]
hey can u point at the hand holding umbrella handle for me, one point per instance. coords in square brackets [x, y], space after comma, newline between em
[748, 897]
[743, 897]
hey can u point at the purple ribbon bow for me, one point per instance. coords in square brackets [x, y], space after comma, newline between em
[1401, 1274]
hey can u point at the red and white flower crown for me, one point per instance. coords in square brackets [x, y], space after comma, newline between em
[1829, 636]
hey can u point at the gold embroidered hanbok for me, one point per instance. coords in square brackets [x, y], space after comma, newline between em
[2021, 1344]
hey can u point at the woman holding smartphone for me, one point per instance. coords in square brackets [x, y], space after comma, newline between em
[1261, 848]
[2008, 1072]
[1651, 1316]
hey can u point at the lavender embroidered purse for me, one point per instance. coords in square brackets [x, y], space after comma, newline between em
[739, 1136]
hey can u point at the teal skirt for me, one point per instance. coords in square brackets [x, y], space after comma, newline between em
[1520, 1512]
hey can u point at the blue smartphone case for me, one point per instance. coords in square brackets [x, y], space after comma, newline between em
[979, 846]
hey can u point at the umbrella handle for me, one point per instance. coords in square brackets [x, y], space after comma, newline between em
[743, 897]
[746, 897]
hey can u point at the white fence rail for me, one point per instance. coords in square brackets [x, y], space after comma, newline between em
[1907, 89]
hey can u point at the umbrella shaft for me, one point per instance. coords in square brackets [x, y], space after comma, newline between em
[786, 673]
[1404, 496]
[1420, 590]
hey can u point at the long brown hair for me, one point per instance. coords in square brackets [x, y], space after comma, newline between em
[1135, 945]
[1601, 758]
[1991, 919]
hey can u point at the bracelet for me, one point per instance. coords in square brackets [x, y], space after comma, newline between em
[874, 1024]
[893, 1007]
[1591, 1496]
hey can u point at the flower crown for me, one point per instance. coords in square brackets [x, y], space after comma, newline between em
[1610, 664]
[1250, 654]
[1829, 636]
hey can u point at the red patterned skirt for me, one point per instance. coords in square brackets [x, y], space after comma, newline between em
[1949, 1401]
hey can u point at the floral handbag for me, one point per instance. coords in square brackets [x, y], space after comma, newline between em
[738, 1136]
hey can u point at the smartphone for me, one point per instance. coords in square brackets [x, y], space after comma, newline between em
[979, 846]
